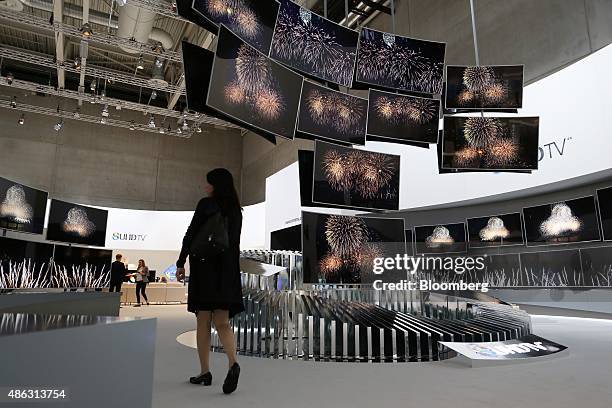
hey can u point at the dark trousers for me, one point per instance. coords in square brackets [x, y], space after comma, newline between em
[140, 288]
[115, 286]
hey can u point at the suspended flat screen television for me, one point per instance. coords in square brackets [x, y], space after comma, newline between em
[22, 208]
[252, 20]
[342, 249]
[248, 86]
[78, 267]
[441, 238]
[354, 178]
[484, 87]
[495, 230]
[563, 222]
[332, 115]
[75, 223]
[490, 143]
[314, 45]
[396, 117]
[400, 63]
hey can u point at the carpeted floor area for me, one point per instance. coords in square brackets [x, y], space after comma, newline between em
[581, 378]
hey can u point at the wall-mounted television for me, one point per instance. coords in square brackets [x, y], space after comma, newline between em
[604, 200]
[355, 178]
[287, 239]
[484, 87]
[332, 115]
[394, 117]
[75, 223]
[252, 20]
[400, 63]
[495, 231]
[22, 208]
[441, 238]
[562, 222]
[342, 249]
[246, 85]
[490, 143]
[314, 45]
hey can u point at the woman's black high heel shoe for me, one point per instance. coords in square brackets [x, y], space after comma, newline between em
[231, 380]
[204, 379]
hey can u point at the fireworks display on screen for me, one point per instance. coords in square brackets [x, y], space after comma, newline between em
[14, 206]
[332, 115]
[561, 222]
[355, 177]
[22, 208]
[443, 238]
[490, 143]
[484, 87]
[314, 45]
[77, 223]
[399, 62]
[494, 231]
[253, 20]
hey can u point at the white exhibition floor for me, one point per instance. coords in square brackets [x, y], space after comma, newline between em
[581, 378]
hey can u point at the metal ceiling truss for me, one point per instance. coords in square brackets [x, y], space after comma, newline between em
[99, 73]
[41, 110]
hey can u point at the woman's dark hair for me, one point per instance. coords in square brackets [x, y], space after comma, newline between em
[224, 191]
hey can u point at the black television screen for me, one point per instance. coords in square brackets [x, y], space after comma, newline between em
[314, 45]
[252, 20]
[78, 267]
[22, 208]
[184, 9]
[342, 249]
[332, 115]
[401, 117]
[247, 85]
[24, 264]
[484, 87]
[443, 238]
[604, 199]
[488, 143]
[551, 269]
[75, 223]
[287, 239]
[596, 266]
[564, 222]
[495, 230]
[395, 62]
[355, 178]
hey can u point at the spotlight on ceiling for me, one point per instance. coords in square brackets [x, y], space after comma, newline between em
[198, 129]
[178, 130]
[9, 78]
[93, 85]
[140, 63]
[154, 94]
[185, 112]
[14, 102]
[105, 111]
[77, 114]
[103, 121]
[21, 120]
[121, 3]
[59, 125]
[151, 122]
[169, 129]
[162, 130]
[185, 126]
[157, 48]
[132, 127]
[102, 95]
[86, 30]
[77, 63]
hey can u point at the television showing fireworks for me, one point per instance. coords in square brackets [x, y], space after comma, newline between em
[562, 223]
[342, 249]
[490, 143]
[248, 86]
[442, 238]
[332, 115]
[484, 87]
[22, 208]
[496, 230]
[400, 117]
[76, 223]
[604, 199]
[252, 20]
[314, 45]
[391, 61]
[355, 178]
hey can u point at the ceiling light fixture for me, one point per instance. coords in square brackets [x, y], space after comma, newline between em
[77, 63]
[154, 94]
[77, 114]
[162, 130]
[59, 125]
[14, 102]
[198, 129]
[21, 120]
[9, 78]
[152, 122]
[132, 127]
[93, 85]
[103, 121]
[185, 126]
[86, 30]
[105, 111]
[140, 63]
[178, 130]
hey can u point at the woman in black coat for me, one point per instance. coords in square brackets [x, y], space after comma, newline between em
[215, 292]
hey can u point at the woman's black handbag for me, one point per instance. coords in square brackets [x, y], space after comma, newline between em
[212, 238]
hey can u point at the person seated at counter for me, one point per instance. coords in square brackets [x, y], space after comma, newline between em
[117, 274]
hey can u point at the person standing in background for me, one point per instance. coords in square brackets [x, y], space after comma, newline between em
[117, 274]
[142, 278]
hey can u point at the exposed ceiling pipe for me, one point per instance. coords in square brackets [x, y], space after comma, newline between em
[135, 23]
[95, 17]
